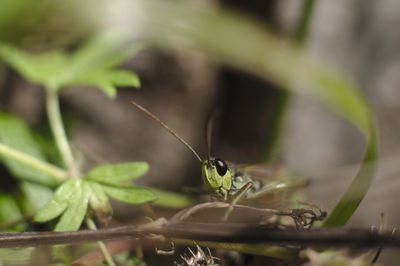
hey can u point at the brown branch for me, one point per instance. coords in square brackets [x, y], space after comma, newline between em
[215, 232]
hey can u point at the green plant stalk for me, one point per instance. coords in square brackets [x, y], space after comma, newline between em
[57, 127]
[358, 188]
[57, 173]
[303, 26]
[107, 256]
[300, 36]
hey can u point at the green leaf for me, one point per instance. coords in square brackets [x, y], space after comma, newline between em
[60, 201]
[171, 200]
[129, 194]
[116, 173]
[35, 196]
[72, 218]
[39, 69]
[16, 256]
[98, 201]
[9, 211]
[16, 134]
[92, 64]
[106, 80]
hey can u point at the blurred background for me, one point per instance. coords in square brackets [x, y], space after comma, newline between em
[182, 85]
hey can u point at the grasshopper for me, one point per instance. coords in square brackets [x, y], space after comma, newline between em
[227, 180]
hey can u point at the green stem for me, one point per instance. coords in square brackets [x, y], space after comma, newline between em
[57, 127]
[53, 171]
[303, 26]
[107, 256]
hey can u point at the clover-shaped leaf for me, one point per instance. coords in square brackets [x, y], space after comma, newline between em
[60, 201]
[93, 64]
[72, 218]
[129, 194]
[117, 173]
[74, 197]
[98, 201]
[111, 178]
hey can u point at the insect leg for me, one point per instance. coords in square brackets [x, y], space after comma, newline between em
[279, 186]
[236, 198]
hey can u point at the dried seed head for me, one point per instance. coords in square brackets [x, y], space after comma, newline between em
[200, 258]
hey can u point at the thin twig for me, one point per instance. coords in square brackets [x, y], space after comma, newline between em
[215, 232]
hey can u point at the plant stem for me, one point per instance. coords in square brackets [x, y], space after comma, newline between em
[57, 173]
[91, 225]
[303, 26]
[57, 127]
[240, 234]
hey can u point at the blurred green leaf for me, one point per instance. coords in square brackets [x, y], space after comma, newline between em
[107, 80]
[129, 194]
[92, 64]
[9, 211]
[117, 173]
[16, 256]
[16, 134]
[60, 201]
[35, 196]
[72, 218]
[127, 259]
[98, 201]
[167, 199]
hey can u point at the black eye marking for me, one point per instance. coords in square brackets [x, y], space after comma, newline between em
[222, 168]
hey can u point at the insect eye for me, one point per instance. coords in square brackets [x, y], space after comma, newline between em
[222, 168]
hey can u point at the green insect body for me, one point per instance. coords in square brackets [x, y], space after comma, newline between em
[217, 176]
[222, 179]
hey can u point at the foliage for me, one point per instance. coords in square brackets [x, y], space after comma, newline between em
[73, 197]
[79, 195]
[21, 151]
[92, 64]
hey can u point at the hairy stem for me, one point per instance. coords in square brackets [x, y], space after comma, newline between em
[57, 127]
[108, 258]
[57, 173]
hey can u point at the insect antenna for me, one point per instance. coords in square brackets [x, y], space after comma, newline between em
[155, 118]
[209, 127]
